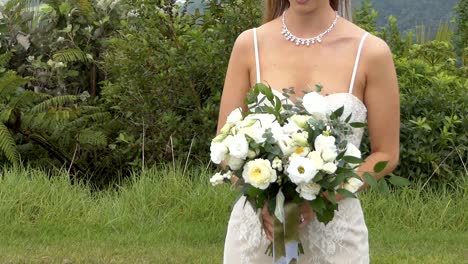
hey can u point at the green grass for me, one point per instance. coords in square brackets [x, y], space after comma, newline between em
[164, 217]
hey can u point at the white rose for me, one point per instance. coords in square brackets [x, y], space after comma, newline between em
[235, 116]
[300, 120]
[235, 163]
[300, 138]
[218, 152]
[315, 157]
[259, 173]
[352, 150]
[308, 191]
[329, 167]
[217, 179]
[353, 185]
[315, 104]
[239, 147]
[301, 170]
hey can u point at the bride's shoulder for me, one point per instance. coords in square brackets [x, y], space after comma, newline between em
[373, 46]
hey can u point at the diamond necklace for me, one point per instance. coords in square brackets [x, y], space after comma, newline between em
[306, 41]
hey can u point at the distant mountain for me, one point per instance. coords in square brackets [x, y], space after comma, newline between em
[413, 13]
[409, 13]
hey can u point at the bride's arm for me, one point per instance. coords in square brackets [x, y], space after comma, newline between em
[382, 100]
[237, 81]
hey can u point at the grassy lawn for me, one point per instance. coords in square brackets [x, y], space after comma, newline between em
[166, 218]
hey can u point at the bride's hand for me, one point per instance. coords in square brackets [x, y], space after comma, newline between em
[307, 215]
[267, 222]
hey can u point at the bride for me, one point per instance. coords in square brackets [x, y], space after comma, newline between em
[301, 43]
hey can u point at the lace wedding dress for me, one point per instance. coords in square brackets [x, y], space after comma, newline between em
[343, 240]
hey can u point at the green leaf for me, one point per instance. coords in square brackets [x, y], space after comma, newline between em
[383, 186]
[332, 197]
[380, 166]
[346, 193]
[348, 118]
[318, 204]
[337, 113]
[353, 160]
[369, 179]
[398, 181]
[358, 124]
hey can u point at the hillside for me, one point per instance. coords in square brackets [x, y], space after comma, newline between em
[409, 13]
[413, 13]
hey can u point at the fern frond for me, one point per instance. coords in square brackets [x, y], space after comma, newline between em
[8, 145]
[54, 102]
[9, 84]
[94, 138]
[98, 118]
[5, 115]
[71, 55]
[85, 8]
[4, 59]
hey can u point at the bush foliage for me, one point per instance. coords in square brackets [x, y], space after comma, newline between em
[155, 74]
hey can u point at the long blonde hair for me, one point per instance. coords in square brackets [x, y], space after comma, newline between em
[275, 8]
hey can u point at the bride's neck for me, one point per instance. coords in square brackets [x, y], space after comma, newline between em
[304, 24]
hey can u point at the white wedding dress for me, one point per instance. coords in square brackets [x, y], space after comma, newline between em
[343, 240]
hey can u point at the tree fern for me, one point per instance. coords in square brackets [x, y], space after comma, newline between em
[71, 55]
[8, 145]
[54, 102]
[94, 138]
[9, 84]
[85, 8]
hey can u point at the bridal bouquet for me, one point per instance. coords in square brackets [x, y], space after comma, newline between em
[285, 154]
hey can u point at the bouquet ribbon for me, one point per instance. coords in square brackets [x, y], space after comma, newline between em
[286, 244]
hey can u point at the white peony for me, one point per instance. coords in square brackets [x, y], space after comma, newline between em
[239, 147]
[329, 167]
[315, 157]
[353, 185]
[301, 170]
[235, 116]
[308, 191]
[235, 163]
[316, 105]
[259, 173]
[218, 152]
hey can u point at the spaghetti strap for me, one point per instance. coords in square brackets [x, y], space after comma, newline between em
[356, 63]
[257, 62]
